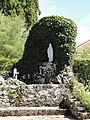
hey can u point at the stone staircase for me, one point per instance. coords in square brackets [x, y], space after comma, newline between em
[33, 113]
[33, 102]
[59, 117]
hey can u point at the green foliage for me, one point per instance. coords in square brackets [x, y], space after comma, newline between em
[12, 36]
[86, 53]
[28, 9]
[81, 94]
[81, 69]
[5, 65]
[31, 12]
[58, 31]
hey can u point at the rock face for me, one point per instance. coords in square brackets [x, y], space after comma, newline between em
[65, 76]
[47, 74]
[16, 93]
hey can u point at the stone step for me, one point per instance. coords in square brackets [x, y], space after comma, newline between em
[31, 111]
[58, 117]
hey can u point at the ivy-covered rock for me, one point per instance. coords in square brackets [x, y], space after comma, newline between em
[60, 32]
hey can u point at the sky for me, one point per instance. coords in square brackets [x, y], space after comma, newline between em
[76, 10]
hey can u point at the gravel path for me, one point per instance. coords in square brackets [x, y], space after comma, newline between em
[59, 117]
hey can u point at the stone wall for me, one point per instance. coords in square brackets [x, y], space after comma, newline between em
[16, 93]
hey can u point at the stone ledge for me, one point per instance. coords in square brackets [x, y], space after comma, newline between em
[31, 111]
[51, 117]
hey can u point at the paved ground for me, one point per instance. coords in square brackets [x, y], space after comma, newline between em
[59, 117]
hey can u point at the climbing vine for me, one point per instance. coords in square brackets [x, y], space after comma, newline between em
[60, 32]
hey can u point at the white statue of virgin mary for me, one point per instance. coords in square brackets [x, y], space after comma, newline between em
[50, 53]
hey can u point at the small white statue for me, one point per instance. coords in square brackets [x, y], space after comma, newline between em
[15, 73]
[40, 70]
[50, 53]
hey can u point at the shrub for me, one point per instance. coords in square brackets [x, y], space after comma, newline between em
[86, 53]
[81, 94]
[13, 35]
[81, 69]
[60, 32]
[5, 64]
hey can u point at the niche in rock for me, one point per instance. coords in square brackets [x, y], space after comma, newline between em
[50, 53]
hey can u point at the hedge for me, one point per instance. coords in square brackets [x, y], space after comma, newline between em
[81, 94]
[5, 65]
[81, 69]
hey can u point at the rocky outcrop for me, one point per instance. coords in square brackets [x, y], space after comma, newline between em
[47, 74]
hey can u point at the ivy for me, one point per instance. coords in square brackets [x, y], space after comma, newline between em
[60, 32]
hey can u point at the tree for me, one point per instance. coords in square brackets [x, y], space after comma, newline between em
[28, 9]
[12, 36]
